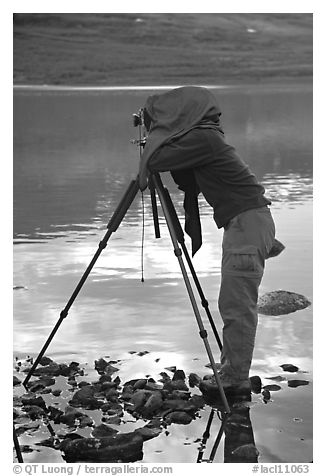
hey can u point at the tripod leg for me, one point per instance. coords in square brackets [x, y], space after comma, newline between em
[178, 252]
[17, 447]
[112, 226]
[180, 238]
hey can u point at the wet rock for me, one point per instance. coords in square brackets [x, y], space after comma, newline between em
[289, 368]
[45, 361]
[143, 352]
[113, 420]
[124, 447]
[280, 302]
[28, 426]
[148, 433]
[180, 394]
[266, 395]
[33, 399]
[175, 385]
[179, 375]
[85, 398]
[16, 381]
[171, 369]
[178, 404]
[139, 398]
[256, 384]
[277, 378]
[54, 414]
[272, 388]
[52, 369]
[73, 417]
[56, 392]
[249, 453]
[141, 383]
[152, 405]
[297, 383]
[194, 380]
[40, 384]
[152, 386]
[34, 412]
[182, 418]
[103, 430]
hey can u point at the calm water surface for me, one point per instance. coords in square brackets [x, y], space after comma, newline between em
[72, 162]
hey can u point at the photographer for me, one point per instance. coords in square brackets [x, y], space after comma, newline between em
[185, 137]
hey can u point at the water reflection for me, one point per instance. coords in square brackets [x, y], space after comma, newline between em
[73, 158]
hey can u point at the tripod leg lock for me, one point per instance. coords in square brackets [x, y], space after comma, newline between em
[102, 244]
[203, 334]
[63, 313]
[178, 252]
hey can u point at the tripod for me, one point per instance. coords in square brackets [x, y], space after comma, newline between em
[176, 235]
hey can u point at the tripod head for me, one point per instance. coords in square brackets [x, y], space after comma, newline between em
[142, 121]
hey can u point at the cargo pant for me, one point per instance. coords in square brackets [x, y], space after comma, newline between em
[247, 241]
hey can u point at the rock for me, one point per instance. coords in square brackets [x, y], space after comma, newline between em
[45, 361]
[266, 395]
[56, 392]
[246, 452]
[182, 418]
[34, 412]
[16, 381]
[85, 398]
[297, 383]
[194, 380]
[40, 384]
[278, 378]
[272, 388]
[103, 430]
[28, 426]
[289, 368]
[179, 375]
[54, 414]
[148, 433]
[124, 447]
[32, 399]
[280, 302]
[171, 369]
[141, 383]
[143, 352]
[113, 420]
[52, 370]
[256, 384]
[180, 394]
[152, 405]
[73, 417]
[175, 385]
[139, 398]
[178, 404]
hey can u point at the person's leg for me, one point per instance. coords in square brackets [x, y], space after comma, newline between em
[246, 244]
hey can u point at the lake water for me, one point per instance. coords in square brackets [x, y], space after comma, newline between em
[73, 160]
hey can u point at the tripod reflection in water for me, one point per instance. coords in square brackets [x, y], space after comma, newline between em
[239, 442]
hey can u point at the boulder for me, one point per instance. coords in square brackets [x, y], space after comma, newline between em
[280, 302]
[246, 453]
[16, 381]
[85, 398]
[32, 399]
[123, 447]
[147, 433]
[34, 412]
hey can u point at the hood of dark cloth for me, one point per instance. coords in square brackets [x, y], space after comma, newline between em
[174, 113]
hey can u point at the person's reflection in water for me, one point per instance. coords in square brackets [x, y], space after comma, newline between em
[239, 442]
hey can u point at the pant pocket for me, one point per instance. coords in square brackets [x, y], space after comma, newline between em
[242, 261]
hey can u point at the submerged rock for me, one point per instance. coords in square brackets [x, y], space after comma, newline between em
[249, 453]
[297, 383]
[280, 302]
[272, 387]
[289, 368]
[124, 447]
